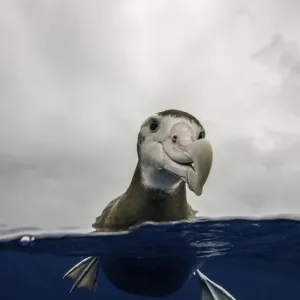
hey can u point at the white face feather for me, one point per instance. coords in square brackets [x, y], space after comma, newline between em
[152, 156]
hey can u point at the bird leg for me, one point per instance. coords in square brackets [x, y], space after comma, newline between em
[210, 290]
[85, 274]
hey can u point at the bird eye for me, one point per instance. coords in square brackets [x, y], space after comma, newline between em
[201, 135]
[153, 125]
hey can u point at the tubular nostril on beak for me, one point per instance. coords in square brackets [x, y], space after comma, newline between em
[181, 136]
[179, 143]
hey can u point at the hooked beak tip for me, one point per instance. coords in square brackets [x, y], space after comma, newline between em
[202, 156]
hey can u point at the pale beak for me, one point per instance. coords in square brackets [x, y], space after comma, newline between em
[186, 158]
[202, 155]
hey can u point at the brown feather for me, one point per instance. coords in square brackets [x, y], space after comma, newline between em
[180, 114]
[138, 205]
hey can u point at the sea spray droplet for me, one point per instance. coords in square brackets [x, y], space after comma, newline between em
[27, 240]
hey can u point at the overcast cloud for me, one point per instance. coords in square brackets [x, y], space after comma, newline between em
[77, 80]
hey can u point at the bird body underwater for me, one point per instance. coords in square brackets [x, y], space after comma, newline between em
[173, 153]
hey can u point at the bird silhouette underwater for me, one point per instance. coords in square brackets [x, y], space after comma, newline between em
[173, 152]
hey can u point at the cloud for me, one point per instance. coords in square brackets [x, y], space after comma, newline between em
[76, 82]
[253, 182]
[284, 58]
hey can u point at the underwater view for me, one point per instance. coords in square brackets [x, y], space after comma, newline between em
[253, 259]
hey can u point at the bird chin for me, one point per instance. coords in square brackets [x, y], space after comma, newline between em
[179, 170]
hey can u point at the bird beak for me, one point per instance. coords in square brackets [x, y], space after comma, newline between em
[186, 158]
[202, 155]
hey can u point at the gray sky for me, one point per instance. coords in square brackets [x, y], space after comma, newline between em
[77, 80]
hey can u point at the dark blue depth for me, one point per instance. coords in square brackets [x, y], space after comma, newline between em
[252, 259]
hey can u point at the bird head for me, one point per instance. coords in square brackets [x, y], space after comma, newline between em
[172, 147]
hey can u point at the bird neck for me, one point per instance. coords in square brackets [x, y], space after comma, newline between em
[158, 179]
[160, 204]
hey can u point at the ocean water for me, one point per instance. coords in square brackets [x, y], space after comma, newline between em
[251, 258]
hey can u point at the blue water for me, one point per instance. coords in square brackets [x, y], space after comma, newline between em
[252, 259]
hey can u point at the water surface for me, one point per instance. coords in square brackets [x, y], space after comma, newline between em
[251, 258]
